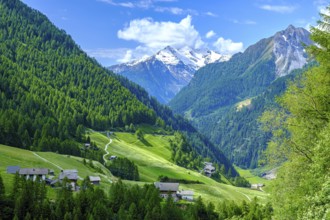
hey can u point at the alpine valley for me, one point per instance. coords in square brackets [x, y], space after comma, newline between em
[164, 74]
[224, 100]
[184, 134]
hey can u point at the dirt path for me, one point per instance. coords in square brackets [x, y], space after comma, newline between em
[248, 197]
[106, 150]
[44, 159]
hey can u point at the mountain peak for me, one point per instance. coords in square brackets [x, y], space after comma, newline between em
[289, 50]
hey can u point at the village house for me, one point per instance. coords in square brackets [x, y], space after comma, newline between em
[33, 173]
[209, 169]
[257, 186]
[71, 175]
[13, 169]
[95, 180]
[186, 195]
[112, 157]
[167, 189]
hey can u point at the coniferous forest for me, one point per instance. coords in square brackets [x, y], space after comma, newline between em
[29, 201]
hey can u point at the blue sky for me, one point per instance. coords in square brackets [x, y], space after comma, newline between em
[115, 31]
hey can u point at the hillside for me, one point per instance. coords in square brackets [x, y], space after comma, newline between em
[210, 100]
[153, 158]
[51, 91]
[11, 156]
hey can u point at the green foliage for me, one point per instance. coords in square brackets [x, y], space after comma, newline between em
[124, 168]
[302, 136]
[50, 89]
[183, 154]
[139, 134]
[122, 202]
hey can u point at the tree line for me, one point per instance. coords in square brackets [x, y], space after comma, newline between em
[28, 200]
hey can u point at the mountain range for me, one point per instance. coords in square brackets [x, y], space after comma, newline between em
[220, 99]
[165, 73]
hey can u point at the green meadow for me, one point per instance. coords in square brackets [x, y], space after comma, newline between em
[153, 158]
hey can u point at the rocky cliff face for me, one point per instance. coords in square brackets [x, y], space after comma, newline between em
[289, 49]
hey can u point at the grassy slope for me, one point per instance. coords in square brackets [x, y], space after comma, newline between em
[10, 156]
[153, 160]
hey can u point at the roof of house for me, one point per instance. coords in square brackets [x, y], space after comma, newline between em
[13, 169]
[209, 167]
[70, 174]
[172, 187]
[94, 178]
[187, 193]
[33, 171]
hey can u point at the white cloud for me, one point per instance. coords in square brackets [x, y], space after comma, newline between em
[211, 14]
[247, 22]
[279, 8]
[210, 34]
[157, 35]
[146, 4]
[120, 55]
[227, 46]
[127, 57]
[176, 11]
[123, 4]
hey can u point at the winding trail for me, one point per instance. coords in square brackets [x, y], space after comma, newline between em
[248, 197]
[44, 159]
[106, 150]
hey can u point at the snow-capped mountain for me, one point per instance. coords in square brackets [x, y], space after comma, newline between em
[165, 73]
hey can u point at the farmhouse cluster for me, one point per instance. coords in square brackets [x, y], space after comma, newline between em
[48, 175]
[172, 189]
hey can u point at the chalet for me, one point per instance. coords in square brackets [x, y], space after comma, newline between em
[257, 186]
[112, 157]
[95, 180]
[51, 172]
[209, 169]
[71, 175]
[13, 169]
[186, 195]
[33, 173]
[167, 189]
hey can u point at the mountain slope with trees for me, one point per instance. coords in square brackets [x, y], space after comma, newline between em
[301, 131]
[51, 91]
[210, 99]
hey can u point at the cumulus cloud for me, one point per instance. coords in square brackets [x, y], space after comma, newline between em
[279, 8]
[227, 46]
[210, 34]
[157, 35]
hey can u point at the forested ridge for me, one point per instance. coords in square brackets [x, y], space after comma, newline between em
[210, 100]
[300, 129]
[51, 91]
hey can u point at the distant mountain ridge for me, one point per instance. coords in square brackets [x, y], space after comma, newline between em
[210, 99]
[165, 73]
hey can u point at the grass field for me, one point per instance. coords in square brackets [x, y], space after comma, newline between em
[152, 157]
[10, 156]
